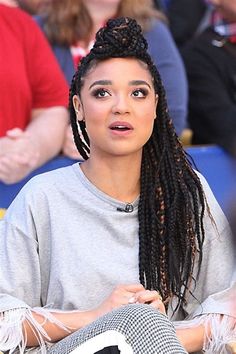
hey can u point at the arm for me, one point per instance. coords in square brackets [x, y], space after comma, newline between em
[210, 324]
[46, 115]
[48, 126]
[69, 148]
[22, 152]
[63, 323]
[213, 333]
[192, 339]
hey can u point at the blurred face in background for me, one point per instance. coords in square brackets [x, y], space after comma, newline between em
[102, 3]
[33, 7]
[227, 8]
[106, 2]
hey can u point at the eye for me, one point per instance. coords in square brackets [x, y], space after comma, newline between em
[100, 93]
[140, 93]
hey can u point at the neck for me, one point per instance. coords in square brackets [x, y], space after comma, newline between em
[9, 3]
[100, 12]
[118, 177]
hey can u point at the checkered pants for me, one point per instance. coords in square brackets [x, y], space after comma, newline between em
[133, 329]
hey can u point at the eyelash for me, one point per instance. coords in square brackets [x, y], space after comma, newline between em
[96, 93]
[143, 91]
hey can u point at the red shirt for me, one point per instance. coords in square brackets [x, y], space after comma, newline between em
[30, 76]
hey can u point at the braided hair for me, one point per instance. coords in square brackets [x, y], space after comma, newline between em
[172, 203]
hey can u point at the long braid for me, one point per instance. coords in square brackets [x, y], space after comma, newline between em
[172, 203]
[82, 147]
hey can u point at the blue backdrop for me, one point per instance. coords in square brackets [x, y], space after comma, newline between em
[213, 162]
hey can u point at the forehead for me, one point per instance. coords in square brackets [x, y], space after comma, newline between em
[119, 69]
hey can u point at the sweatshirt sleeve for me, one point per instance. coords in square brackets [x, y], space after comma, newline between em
[20, 285]
[213, 292]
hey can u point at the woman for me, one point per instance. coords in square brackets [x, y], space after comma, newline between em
[140, 239]
[33, 96]
[71, 25]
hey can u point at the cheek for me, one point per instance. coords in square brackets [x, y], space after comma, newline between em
[149, 112]
[95, 120]
[148, 123]
[93, 114]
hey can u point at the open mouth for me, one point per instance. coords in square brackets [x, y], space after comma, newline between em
[120, 128]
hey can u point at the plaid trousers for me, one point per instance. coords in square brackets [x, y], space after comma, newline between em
[132, 329]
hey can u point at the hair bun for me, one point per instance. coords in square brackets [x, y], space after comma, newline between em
[120, 37]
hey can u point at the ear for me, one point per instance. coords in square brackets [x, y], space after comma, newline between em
[156, 103]
[78, 107]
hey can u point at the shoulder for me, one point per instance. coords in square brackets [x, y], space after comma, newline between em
[161, 43]
[215, 222]
[16, 16]
[45, 186]
[201, 55]
[202, 44]
[158, 28]
[206, 188]
[47, 179]
[44, 198]
[22, 27]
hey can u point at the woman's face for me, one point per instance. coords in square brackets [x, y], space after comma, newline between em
[103, 2]
[227, 8]
[102, 8]
[118, 104]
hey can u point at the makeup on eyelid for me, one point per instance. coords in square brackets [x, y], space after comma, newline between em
[103, 93]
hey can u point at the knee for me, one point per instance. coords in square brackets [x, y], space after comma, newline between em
[139, 317]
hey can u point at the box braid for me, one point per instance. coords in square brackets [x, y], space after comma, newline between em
[172, 203]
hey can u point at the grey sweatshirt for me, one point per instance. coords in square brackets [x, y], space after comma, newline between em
[64, 245]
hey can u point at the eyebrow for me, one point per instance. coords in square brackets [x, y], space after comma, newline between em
[109, 82]
[139, 82]
[100, 82]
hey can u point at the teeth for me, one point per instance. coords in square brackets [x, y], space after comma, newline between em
[120, 127]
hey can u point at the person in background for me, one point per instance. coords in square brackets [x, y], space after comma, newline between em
[210, 61]
[70, 26]
[107, 247]
[33, 96]
[186, 19]
[33, 7]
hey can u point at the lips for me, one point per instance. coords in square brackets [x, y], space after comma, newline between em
[121, 126]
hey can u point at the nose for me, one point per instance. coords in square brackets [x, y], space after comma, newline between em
[121, 105]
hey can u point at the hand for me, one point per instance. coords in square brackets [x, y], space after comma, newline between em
[121, 295]
[151, 297]
[19, 155]
[69, 149]
[130, 294]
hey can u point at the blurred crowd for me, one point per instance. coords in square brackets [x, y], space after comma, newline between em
[192, 42]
